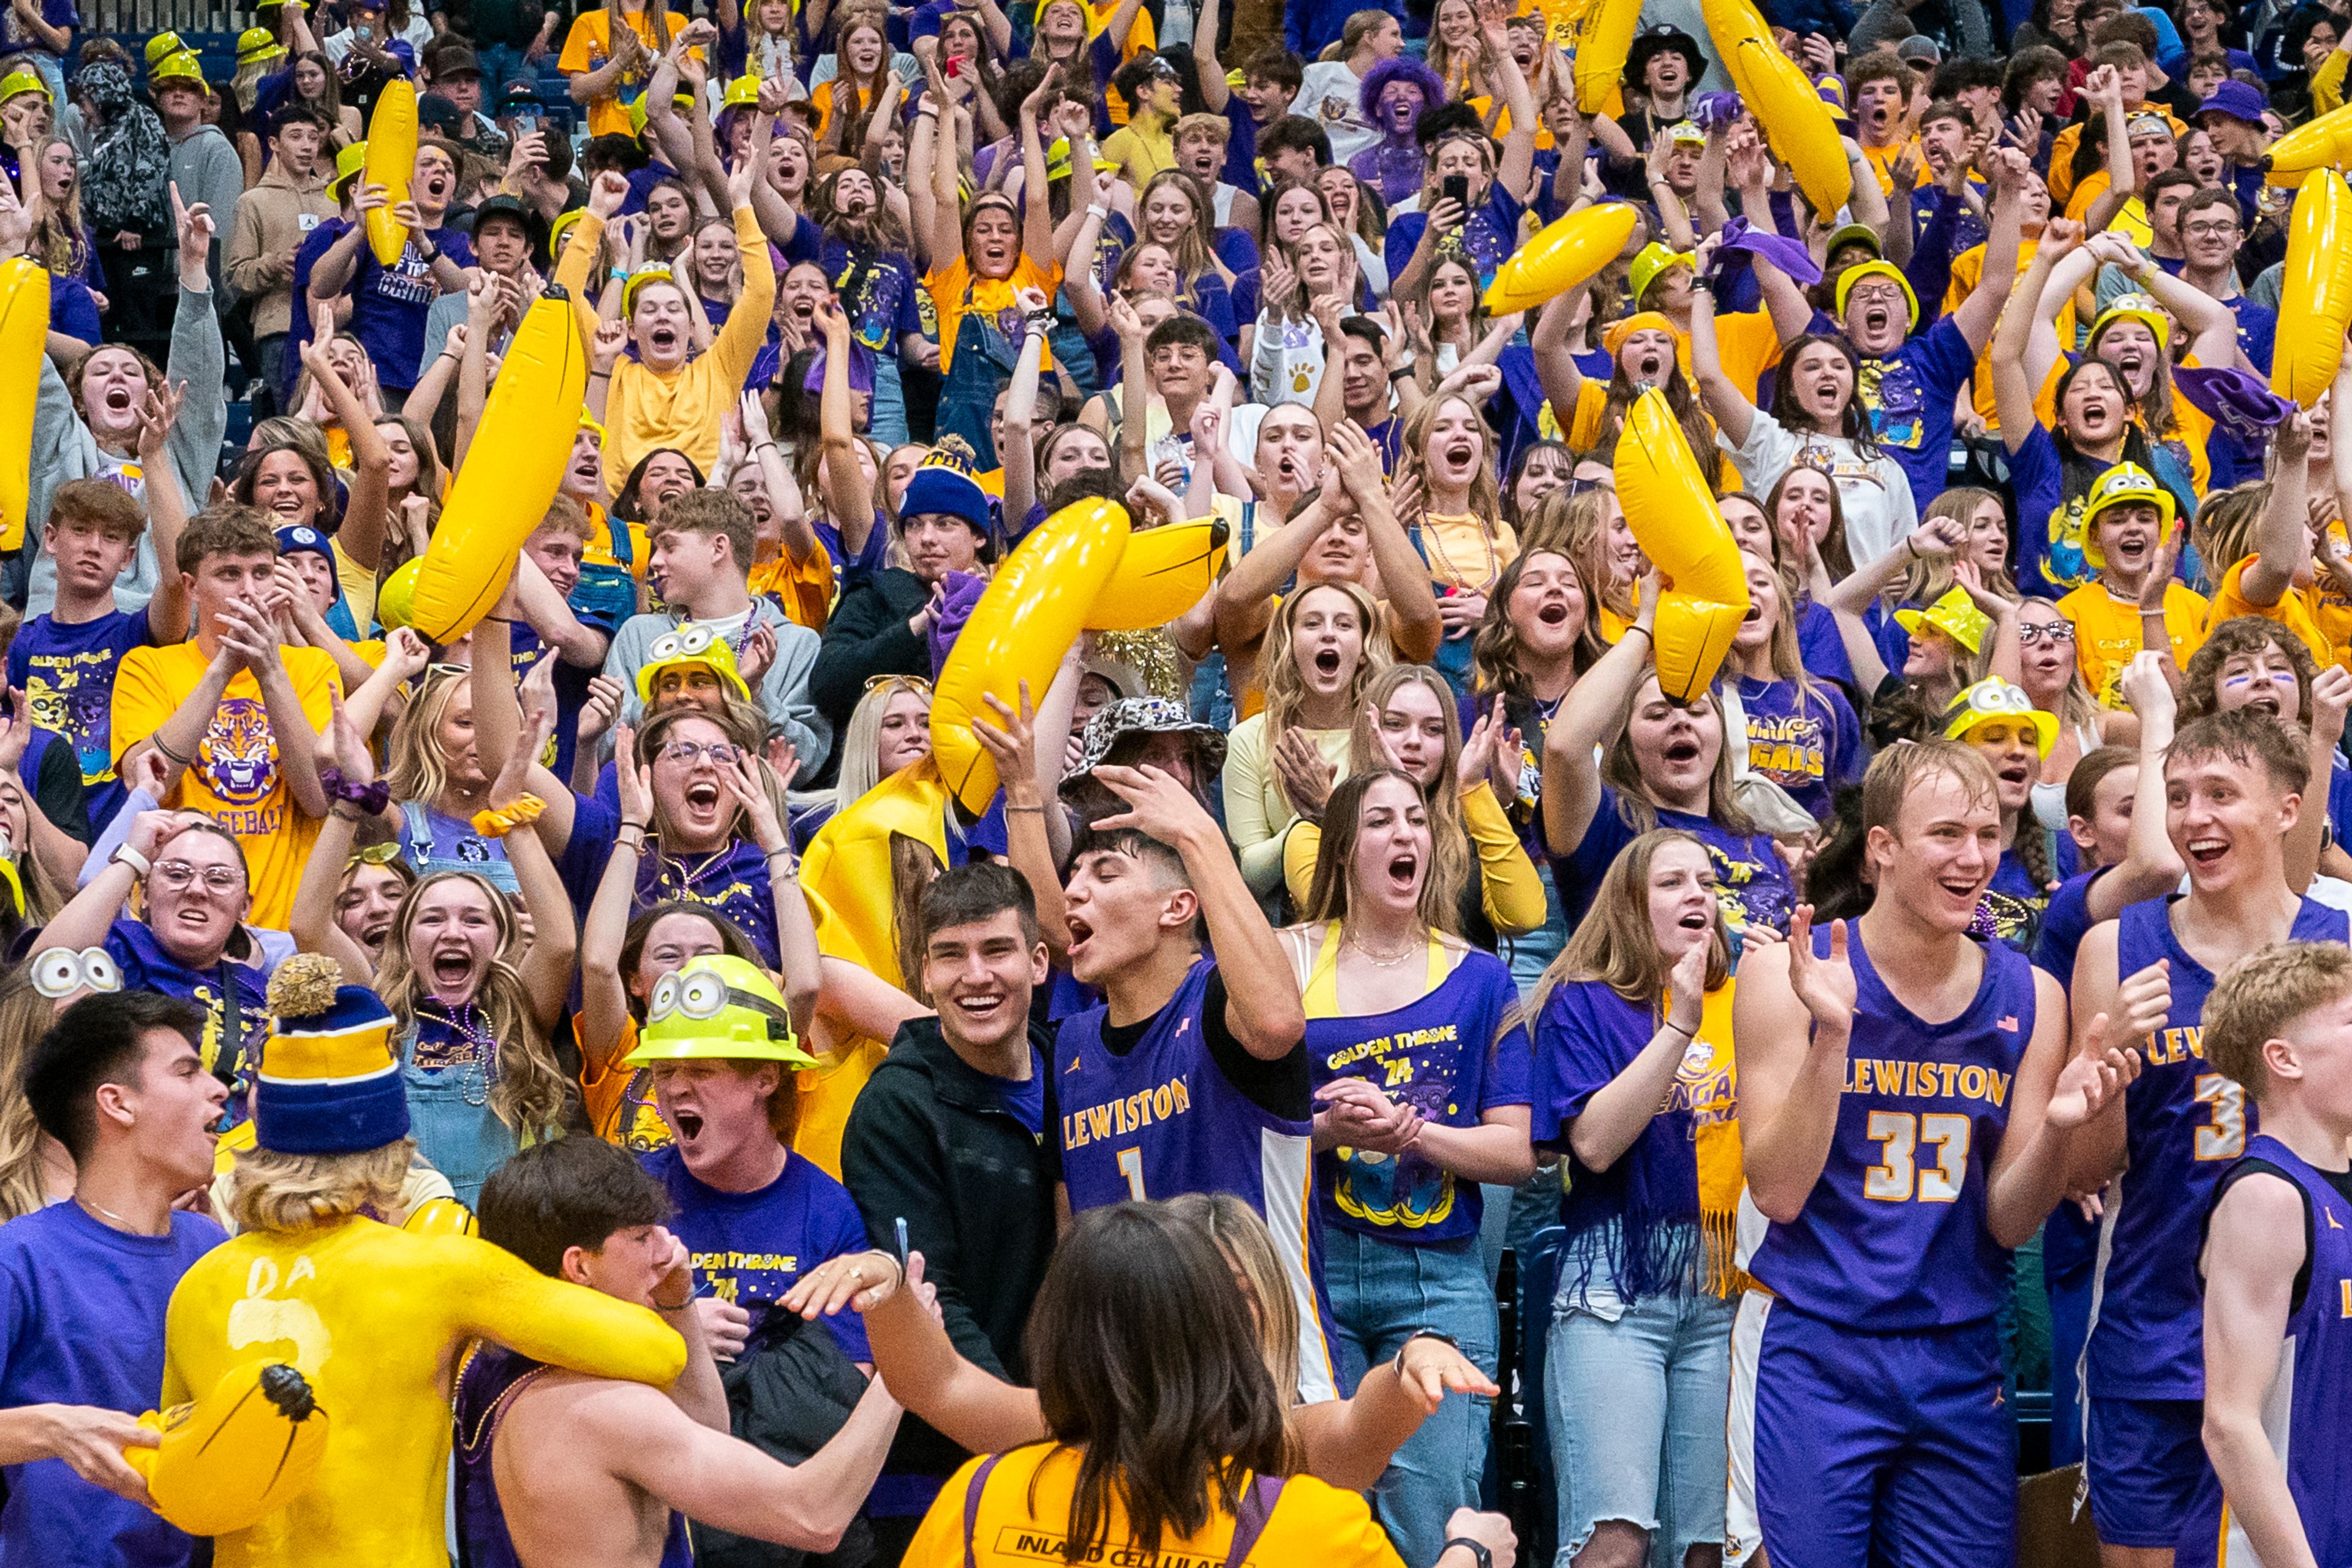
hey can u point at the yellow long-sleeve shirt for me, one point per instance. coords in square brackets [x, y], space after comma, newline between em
[375, 1317]
[1257, 812]
[1509, 891]
[645, 409]
[2327, 84]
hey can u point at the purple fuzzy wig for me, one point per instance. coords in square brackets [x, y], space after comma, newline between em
[1401, 68]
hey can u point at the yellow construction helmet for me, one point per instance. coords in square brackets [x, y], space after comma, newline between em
[718, 1008]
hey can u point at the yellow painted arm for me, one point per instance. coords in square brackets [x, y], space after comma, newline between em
[497, 1296]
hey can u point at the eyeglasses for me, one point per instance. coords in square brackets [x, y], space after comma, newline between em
[722, 754]
[2049, 632]
[178, 876]
[2220, 231]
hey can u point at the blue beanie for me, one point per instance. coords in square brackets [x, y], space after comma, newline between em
[328, 1083]
[944, 485]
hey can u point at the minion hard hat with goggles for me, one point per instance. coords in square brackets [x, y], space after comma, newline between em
[718, 1008]
[2120, 486]
[690, 645]
[2140, 308]
[1853, 277]
[1993, 701]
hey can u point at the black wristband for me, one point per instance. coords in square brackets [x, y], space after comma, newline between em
[1486, 1559]
[1424, 1334]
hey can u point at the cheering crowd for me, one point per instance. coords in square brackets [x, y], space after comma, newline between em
[1946, 1007]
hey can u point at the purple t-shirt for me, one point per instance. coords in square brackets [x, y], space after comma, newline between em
[81, 1322]
[1807, 742]
[751, 1248]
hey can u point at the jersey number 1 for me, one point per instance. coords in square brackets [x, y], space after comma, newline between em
[1897, 1178]
[1130, 1165]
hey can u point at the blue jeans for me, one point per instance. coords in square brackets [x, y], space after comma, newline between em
[1635, 1398]
[1381, 1293]
[886, 421]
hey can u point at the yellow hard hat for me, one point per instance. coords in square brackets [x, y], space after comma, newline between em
[396, 602]
[743, 92]
[690, 645]
[256, 44]
[348, 164]
[162, 46]
[1954, 614]
[718, 1008]
[2124, 483]
[20, 82]
[182, 67]
[1653, 259]
[1993, 701]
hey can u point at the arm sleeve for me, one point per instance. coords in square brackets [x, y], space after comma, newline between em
[496, 1295]
[747, 319]
[2035, 475]
[1930, 271]
[241, 269]
[895, 1171]
[199, 361]
[572, 270]
[1509, 889]
[784, 693]
[1257, 839]
[2327, 83]
[142, 703]
[58, 791]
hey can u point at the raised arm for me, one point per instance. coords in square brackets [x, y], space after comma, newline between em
[2012, 386]
[1261, 1004]
[604, 994]
[1037, 212]
[2151, 866]
[2281, 541]
[849, 492]
[1730, 405]
[1620, 1110]
[1515, 171]
[546, 967]
[1981, 310]
[1017, 451]
[1590, 719]
[313, 924]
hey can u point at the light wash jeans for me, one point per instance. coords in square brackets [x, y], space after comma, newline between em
[1514, 1214]
[1381, 1293]
[1636, 1399]
[885, 419]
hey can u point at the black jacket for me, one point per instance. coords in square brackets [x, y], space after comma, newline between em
[866, 635]
[929, 1141]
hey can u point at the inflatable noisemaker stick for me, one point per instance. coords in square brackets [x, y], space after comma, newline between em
[510, 473]
[231, 1459]
[1680, 528]
[2316, 303]
[391, 161]
[2323, 143]
[1605, 38]
[24, 330]
[1083, 569]
[1563, 255]
[1797, 125]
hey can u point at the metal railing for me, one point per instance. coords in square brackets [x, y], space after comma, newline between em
[143, 16]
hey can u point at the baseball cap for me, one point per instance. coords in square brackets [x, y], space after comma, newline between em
[1919, 47]
[1853, 234]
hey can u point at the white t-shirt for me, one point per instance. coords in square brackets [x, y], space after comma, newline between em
[1874, 492]
[1332, 96]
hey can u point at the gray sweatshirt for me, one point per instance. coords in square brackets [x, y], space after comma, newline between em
[64, 448]
[784, 693]
[205, 167]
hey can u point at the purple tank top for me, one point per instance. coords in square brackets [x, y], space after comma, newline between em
[1892, 1234]
[486, 1383]
[2303, 1413]
[2184, 1124]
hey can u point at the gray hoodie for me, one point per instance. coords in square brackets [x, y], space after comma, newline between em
[205, 167]
[64, 448]
[783, 694]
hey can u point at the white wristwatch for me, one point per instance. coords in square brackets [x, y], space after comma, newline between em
[133, 858]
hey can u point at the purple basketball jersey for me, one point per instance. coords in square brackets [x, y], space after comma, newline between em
[2184, 1125]
[1892, 1234]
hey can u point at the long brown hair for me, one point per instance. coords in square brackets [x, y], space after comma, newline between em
[1623, 771]
[1150, 1369]
[24, 1015]
[1485, 489]
[1616, 945]
[1494, 646]
[529, 1091]
[1343, 817]
[1450, 862]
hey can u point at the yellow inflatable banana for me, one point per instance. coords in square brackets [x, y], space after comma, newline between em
[1797, 124]
[23, 329]
[440, 1217]
[1162, 572]
[1604, 36]
[2324, 143]
[391, 161]
[847, 868]
[238, 1455]
[1559, 257]
[1032, 610]
[510, 472]
[1675, 517]
[2315, 304]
